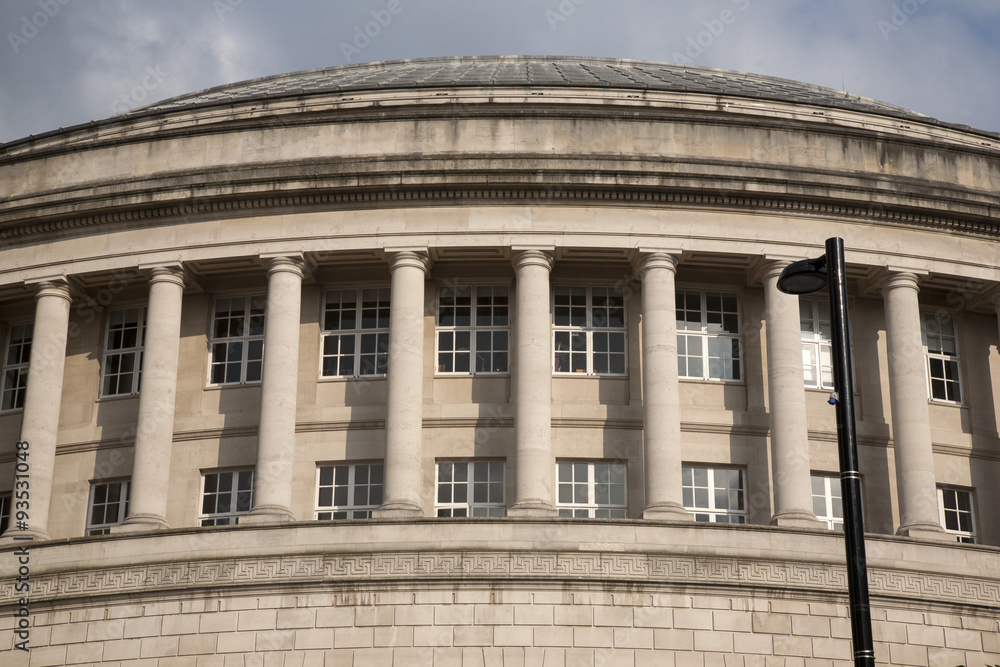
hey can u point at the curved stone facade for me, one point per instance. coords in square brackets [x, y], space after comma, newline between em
[482, 361]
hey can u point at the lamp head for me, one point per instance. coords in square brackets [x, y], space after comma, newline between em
[804, 276]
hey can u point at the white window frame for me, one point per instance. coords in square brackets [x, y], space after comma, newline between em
[119, 505]
[707, 333]
[817, 343]
[710, 511]
[236, 508]
[579, 493]
[826, 497]
[596, 331]
[365, 363]
[450, 506]
[939, 355]
[6, 503]
[359, 478]
[131, 378]
[966, 535]
[15, 371]
[482, 338]
[251, 338]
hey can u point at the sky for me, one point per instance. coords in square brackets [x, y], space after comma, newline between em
[65, 62]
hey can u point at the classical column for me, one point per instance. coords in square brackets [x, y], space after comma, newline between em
[43, 396]
[533, 386]
[279, 385]
[911, 430]
[404, 421]
[661, 409]
[154, 433]
[790, 469]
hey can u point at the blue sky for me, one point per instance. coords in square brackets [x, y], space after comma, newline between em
[64, 62]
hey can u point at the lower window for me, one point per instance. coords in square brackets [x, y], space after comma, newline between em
[594, 489]
[108, 506]
[714, 495]
[828, 504]
[470, 488]
[4, 512]
[955, 512]
[226, 496]
[348, 490]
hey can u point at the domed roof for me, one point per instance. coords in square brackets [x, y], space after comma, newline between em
[520, 71]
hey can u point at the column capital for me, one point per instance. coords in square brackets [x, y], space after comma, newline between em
[284, 262]
[164, 273]
[51, 286]
[897, 279]
[655, 259]
[532, 256]
[411, 257]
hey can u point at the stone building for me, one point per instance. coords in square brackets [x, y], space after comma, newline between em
[481, 361]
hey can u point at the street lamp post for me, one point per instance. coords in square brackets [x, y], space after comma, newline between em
[804, 277]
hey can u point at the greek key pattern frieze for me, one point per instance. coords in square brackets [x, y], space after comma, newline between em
[655, 569]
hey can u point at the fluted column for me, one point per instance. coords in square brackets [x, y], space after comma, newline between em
[155, 426]
[533, 386]
[661, 409]
[42, 399]
[790, 468]
[279, 385]
[911, 431]
[404, 422]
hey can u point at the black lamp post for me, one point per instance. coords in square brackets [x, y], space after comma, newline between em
[804, 277]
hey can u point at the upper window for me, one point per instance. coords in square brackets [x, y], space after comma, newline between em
[356, 332]
[955, 512]
[708, 335]
[589, 330]
[473, 329]
[941, 349]
[15, 367]
[817, 355]
[5, 502]
[108, 506]
[714, 495]
[226, 496]
[238, 339]
[593, 489]
[348, 490]
[123, 352]
[470, 488]
[828, 504]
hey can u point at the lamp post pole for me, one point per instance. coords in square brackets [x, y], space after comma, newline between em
[801, 278]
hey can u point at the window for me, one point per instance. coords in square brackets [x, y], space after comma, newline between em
[238, 340]
[941, 349]
[470, 488]
[348, 490]
[817, 334]
[473, 339]
[225, 496]
[15, 369]
[708, 335]
[123, 352]
[5, 502]
[356, 332]
[828, 505]
[593, 489]
[589, 330]
[108, 506]
[714, 495]
[955, 512]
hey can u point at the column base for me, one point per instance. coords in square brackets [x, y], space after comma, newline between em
[267, 514]
[141, 523]
[14, 536]
[398, 509]
[667, 512]
[797, 519]
[926, 532]
[532, 508]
